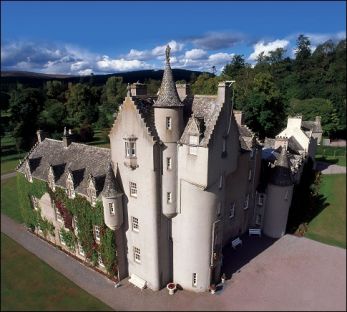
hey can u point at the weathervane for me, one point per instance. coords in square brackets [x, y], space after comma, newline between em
[167, 52]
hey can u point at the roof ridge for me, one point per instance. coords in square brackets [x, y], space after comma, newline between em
[93, 146]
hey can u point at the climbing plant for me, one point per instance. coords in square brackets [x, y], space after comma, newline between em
[69, 239]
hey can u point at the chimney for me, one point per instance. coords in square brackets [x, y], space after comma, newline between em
[281, 141]
[183, 90]
[67, 138]
[239, 117]
[40, 135]
[223, 93]
[318, 120]
[138, 89]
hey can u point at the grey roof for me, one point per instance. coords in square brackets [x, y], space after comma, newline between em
[145, 107]
[81, 159]
[269, 143]
[281, 173]
[111, 188]
[168, 96]
[294, 145]
[311, 125]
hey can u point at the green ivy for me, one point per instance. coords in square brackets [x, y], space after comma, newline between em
[69, 239]
[108, 251]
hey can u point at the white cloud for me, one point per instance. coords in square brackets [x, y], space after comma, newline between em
[174, 45]
[106, 64]
[195, 54]
[85, 72]
[139, 55]
[220, 58]
[261, 46]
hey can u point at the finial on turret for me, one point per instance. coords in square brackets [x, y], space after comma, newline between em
[167, 52]
[128, 90]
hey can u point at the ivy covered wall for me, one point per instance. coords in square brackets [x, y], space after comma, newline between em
[79, 209]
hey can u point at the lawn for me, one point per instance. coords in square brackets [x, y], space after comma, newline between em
[28, 283]
[9, 199]
[329, 226]
[333, 155]
[99, 139]
[9, 154]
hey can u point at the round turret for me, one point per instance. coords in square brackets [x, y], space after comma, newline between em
[279, 197]
[112, 201]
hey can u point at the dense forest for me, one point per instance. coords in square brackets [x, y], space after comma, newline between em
[309, 84]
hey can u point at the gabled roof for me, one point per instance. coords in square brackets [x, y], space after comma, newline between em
[111, 188]
[81, 159]
[311, 125]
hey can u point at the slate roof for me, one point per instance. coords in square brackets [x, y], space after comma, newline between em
[311, 125]
[111, 187]
[168, 96]
[81, 159]
[281, 174]
[146, 110]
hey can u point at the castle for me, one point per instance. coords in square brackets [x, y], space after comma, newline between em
[182, 178]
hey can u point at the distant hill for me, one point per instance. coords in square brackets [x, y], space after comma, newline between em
[30, 79]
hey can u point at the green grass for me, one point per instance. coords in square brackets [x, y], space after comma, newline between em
[336, 160]
[9, 199]
[28, 283]
[329, 226]
[99, 139]
[9, 154]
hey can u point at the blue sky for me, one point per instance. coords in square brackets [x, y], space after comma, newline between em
[106, 37]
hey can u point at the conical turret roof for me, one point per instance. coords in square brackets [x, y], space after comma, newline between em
[110, 187]
[168, 96]
[281, 174]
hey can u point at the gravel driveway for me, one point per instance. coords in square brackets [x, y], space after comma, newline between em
[290, 274]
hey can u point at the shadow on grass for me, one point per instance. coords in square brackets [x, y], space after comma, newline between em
[330, 161]
[307, 203]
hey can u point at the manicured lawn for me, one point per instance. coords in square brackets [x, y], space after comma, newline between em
[334, 155]
[99, 139]
[329, 226]
[9, 199]
[9, 154]
[27, 283]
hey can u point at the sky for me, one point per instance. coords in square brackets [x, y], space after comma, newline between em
[83, 37]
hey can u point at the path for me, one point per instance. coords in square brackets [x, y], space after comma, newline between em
[8, 175]
[312, 273]
[327, 168]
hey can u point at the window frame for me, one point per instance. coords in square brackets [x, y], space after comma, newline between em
[137, 254]
[169, 197]
[168, 163]
[130, 148]
[97, 235]
[112, 208]
[195, 280]
[193, 146]
[168, 123]
[133, 189]
[135, 224]
[232, 210]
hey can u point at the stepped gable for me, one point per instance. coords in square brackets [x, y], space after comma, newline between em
[281, 173]
[146, 111]
[247, 137]
[81, 159]
[111, 188]
[168, 96]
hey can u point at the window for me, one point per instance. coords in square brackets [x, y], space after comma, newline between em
[35, 202]
[195, 280]
[135, 224]
[224, 148]
[97, 233]
[92, 196]
[220, 186]
[286, 195]
[232, 210]
[75, 223]
[249, 174]
[137, 255]
[130, 149]
[80, 249]
[51, 182]
[61, 238]
[58, 215]
[70, 189]
[245, 205]
[261, 199]
[251, 154]
[133, 189]
[219, 209]
[258, 219]
[111, 207]
[168, 163]
[101, 264]
[169, 197]
[168, 123]
[193, 142]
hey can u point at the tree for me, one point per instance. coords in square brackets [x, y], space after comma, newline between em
[264, 108]
[52, 118]
[25, 105]
[303, 51]
[235, 66]
[310, 108]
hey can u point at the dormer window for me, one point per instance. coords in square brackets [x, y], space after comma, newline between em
[70, 189]
[168, 123]
[130, 147]
[51, 180]
[193, 144]
[27, 171]
[91, 191]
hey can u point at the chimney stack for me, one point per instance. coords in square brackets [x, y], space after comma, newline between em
[239, 117]
[40, 135]
[281, 141]
[138, 89]
[67, 138]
